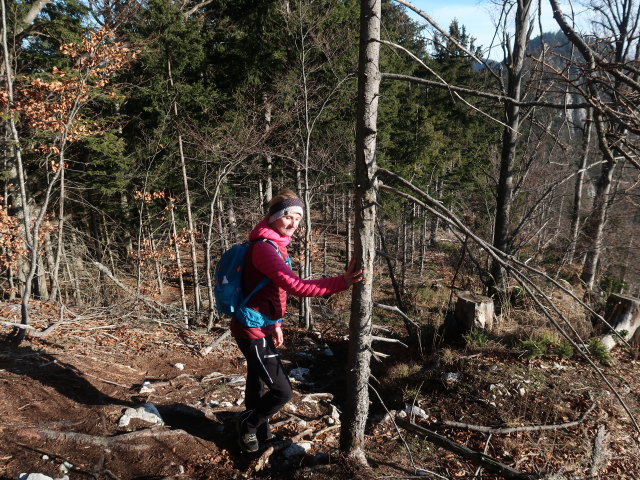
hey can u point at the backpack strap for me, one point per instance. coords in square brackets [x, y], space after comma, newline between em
[262, 283]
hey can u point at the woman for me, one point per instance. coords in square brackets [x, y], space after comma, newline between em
[257, 327]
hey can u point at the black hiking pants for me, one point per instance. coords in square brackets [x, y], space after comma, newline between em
[268, 387]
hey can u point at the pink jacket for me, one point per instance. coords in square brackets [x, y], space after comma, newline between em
[263, 260]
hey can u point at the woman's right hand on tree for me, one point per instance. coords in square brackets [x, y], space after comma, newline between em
[351, 275]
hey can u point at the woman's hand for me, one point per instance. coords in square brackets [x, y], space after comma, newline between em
[352, 276]
[278, 337]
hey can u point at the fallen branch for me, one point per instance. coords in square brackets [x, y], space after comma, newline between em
[264, 458]
[530, 428]
[517, 268]
[153, 304]
[99, 441]
[206, 350]
[388, 340]
[479, 458]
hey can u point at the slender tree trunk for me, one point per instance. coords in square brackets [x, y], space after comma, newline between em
[423, 242]
[183, 297]
[501, 236]
[349, 226]
[156, 263]
[19, 169]
[268, 193]
[356, 408]
[207, 254]
[594, 227]
[435, 220]
[187, 198]
[577, 194]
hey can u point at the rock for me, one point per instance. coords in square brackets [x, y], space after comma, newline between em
[226, 404]
[146, 412]
[290, 407]
[522, 391]
[299, 374]
[239, 401]
[416, 412]
[214, 403]
[451, 378]
[327, 352]
[401, 414]
[33, 476]
[179, 366]
[305, 354]
[236, 380]
[330, 421]
[146, 387]
[302, 423]
[296, 450]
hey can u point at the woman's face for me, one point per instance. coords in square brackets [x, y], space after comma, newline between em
[288, 224]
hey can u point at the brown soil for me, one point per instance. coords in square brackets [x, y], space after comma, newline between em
[61, 397]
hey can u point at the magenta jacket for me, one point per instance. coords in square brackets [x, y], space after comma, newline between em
[263, 260]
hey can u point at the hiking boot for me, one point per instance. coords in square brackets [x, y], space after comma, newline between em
[248, 442]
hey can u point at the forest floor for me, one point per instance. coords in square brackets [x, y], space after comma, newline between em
[62, 397]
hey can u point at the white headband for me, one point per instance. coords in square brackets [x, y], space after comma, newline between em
[286, 211]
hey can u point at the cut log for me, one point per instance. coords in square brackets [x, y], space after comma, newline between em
[623, 315]
[473, 311]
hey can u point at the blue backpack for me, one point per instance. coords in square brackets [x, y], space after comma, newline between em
[228, 278]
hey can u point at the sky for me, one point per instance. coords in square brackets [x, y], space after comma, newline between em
[478, 18]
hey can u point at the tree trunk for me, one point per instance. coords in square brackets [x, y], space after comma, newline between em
[515, 61]
[183, 297]
[268, 193]
[356, 407]
[187, 198]
[473, 311]
[623, 314]
[594, 228]
[577, 194]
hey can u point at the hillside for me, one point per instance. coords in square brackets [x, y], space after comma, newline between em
[63, 397]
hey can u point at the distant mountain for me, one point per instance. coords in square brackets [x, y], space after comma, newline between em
[557, 43]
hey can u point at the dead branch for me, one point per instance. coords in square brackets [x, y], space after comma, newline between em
[600, 452]
[100, 441]
[530, 428]
[17, 325]
[517, 268]
[478, 458]
[478, 93]
[388, 340]
[153, 304]
[264, 458]
[394, 309]
[33, 331]
[206, 350]
[450, 37]
[195, 8]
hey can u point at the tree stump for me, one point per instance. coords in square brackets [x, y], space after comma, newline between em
[623, 314]
[473, 311]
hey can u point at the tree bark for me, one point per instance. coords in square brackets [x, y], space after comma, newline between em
[359, 356]
[515, 61]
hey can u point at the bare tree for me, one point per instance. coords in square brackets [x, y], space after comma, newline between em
[515, 76]
[359, 356]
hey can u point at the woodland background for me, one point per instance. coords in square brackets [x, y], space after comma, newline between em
[142, 139]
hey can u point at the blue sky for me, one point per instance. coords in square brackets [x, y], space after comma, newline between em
[478, 17]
